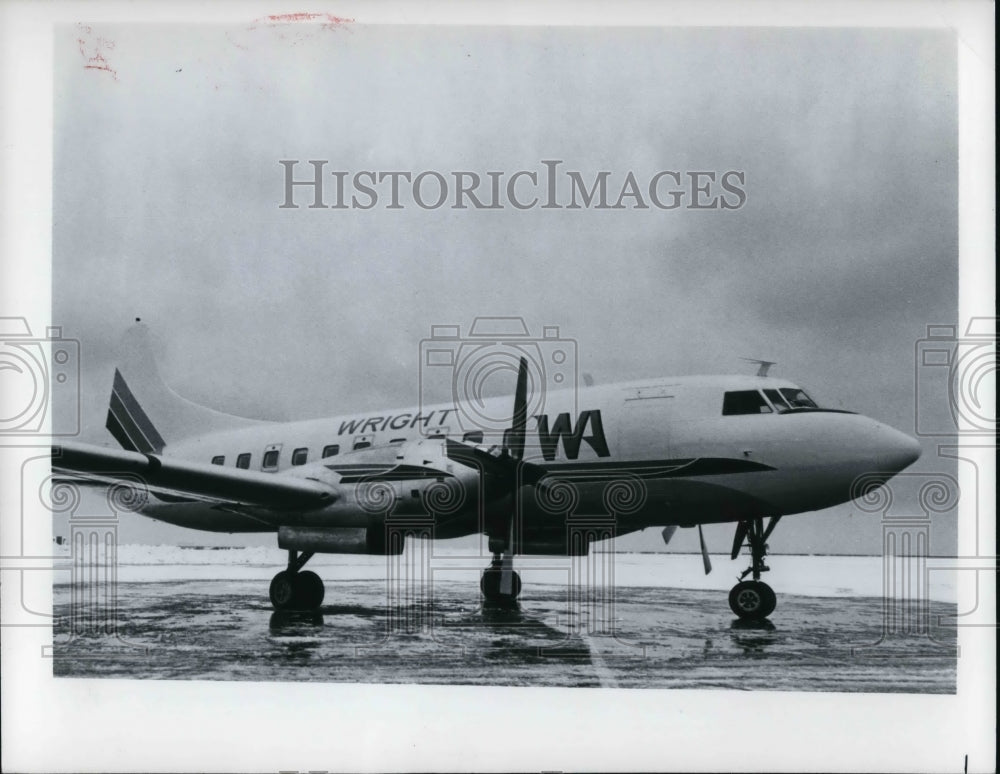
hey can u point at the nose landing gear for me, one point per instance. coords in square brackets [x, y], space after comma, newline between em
[753, 600]
[295, 590]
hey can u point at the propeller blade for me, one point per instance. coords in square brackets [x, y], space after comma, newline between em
[668, 532]
[704, 552]
[507, 564]
[520, 411]
[739, 537]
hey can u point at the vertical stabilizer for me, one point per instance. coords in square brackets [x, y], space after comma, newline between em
[144, 413]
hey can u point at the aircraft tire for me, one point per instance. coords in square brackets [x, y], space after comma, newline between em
[489, 584]
[752, 600]
[282, 590]
[309, 590]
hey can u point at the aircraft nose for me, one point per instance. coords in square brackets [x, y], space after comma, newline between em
[896, 450]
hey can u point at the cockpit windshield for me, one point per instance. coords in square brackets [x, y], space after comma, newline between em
[796, 398]
[780, 404]
[783, 399]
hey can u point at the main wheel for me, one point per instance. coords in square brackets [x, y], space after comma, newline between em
[752, 600]
[489, 584]
[309, 590]
[283, 590]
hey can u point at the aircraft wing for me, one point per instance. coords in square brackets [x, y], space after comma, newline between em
[205, 482]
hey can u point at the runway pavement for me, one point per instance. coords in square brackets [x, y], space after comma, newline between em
[637, 637]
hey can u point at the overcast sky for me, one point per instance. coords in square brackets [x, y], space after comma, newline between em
[167, 189]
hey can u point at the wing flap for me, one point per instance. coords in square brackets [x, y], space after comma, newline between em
[230, 485]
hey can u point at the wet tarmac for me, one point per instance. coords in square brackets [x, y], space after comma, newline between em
[642, 638]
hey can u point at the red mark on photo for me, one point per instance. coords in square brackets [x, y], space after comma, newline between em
[330, 20]
[92, 49]
[292, 28]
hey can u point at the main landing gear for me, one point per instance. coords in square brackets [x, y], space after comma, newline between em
[292, 589]
[492, 583]
[753, 600]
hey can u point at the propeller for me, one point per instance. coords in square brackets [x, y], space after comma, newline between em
[515, 450]
[520, 421]
[501, 475]
[704, 551]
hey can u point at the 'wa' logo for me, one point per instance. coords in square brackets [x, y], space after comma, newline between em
[571, 435]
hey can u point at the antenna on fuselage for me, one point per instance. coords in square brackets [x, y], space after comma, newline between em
[763, 365]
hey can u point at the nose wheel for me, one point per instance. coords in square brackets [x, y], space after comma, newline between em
[292, 589]
[753, 600]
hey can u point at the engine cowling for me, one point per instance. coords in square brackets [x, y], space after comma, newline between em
[575, 542]
[342, 540]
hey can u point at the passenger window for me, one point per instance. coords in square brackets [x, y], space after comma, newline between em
[744, 402]
[473, 436]
[270, 459]
[243, 461]
[362, 445]
[299, 456]
[331, 450]
[219, 460]
[776, 399]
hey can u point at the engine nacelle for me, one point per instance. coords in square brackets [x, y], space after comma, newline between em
[342, 540]
[577, 544]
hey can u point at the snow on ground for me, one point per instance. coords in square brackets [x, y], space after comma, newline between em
[820, 576]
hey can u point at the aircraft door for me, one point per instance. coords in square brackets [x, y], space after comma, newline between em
[644, 432]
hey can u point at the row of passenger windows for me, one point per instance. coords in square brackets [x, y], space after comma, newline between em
[753, 402]
[300, 456]
[270, 458]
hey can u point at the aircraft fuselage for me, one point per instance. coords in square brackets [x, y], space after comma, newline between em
[656, 452]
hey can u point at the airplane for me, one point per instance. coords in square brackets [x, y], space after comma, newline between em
[671, 452]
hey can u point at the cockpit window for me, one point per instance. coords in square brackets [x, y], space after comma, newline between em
[797, 398]
[744, 402]
[776, 398]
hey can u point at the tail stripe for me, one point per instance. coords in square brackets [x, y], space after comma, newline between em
[119, 416]
[119, 432]
[128, 422]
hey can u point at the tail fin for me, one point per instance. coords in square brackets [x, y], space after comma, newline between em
[142, 405]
